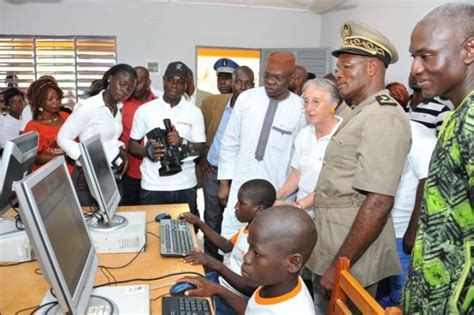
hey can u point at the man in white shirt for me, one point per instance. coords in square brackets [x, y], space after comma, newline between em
[188, 128]
[259, 139]
[13, 99]
[407, 200]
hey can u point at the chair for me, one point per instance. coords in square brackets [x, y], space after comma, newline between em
[346, 286]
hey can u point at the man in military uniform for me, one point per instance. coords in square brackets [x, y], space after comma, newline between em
[224, 68]
[361, 168]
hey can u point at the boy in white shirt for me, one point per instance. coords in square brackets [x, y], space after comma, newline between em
[253, 197]
[281, 240]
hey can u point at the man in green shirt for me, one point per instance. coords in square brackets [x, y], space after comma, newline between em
[441, 276]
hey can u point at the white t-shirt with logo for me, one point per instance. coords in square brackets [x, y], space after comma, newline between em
[188, 121]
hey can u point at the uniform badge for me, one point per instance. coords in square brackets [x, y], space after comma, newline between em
[386, 100]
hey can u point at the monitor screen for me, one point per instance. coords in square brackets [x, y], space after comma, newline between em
[17, 162]
[99, 177]
[54, 222]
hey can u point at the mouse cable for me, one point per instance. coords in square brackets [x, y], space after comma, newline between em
[132, 260]
[16, 263]
[35, 308]
[160, 296]
[150, 279]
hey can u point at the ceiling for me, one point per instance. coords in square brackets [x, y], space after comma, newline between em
[312, 6]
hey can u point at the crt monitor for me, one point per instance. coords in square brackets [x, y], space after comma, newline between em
[17, 162]
[54, 223]
[102, 185]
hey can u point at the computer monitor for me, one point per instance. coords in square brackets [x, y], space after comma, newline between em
[102, 185]
[17, 162]
[55, 225]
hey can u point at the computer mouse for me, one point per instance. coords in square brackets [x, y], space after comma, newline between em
[179, 288]
[161, 216]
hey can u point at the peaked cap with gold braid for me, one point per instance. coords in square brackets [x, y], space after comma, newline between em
[363, 40]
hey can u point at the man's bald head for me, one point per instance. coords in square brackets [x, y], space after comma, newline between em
[459, 16]
[442, 45]
[289, 228]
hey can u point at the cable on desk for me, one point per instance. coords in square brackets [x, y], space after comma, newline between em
[153, 234]
[102, 270]
[128, 263]
[159, 297]
[35, 308]
[150, 279]
[18, 224]
[38, 271]
[16, 263]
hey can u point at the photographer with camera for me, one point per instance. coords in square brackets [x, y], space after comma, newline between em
[173, 129]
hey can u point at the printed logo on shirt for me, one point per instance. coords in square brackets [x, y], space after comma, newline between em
[184, 123]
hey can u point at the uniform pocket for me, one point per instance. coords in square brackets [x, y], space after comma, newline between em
[336, 227]
[346, 154]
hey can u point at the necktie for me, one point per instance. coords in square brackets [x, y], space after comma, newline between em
[265, 132]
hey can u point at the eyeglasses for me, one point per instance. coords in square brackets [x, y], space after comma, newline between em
[275, 77]
[345, 67]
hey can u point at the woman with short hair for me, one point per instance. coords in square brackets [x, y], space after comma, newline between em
[321, 98]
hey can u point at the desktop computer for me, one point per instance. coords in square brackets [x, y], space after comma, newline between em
[17, 162]
[129, 238]
[14, 244]
[68, 260]
[110, 232]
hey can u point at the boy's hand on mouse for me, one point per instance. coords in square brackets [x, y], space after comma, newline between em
[191, 218]
[199, 258]
[204, 287]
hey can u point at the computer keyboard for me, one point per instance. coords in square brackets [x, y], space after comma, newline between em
[178, 305]
[175, 238]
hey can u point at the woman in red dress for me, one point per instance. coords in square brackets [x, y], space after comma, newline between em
[45, 97]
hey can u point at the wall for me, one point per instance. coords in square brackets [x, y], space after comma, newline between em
[395, 19]
[162, 31]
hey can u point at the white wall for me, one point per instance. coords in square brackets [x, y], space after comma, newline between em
[395, 19]
[162, 31]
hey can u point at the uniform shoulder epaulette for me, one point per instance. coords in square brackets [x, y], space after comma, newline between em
[386, 100]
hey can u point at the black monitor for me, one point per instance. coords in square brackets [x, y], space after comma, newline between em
[17, 162]
[54, 223]
[102, 185]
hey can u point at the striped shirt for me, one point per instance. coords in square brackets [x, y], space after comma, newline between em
[430, 113]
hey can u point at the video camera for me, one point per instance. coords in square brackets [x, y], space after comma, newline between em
[173, 156]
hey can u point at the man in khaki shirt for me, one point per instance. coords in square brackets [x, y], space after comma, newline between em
[361, 169]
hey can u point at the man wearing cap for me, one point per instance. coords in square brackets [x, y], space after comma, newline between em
[441, 275]
[361, 168]
[224, 68]
[259, 138]
[188, 127]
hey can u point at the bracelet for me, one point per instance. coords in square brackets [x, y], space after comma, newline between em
[297, 204]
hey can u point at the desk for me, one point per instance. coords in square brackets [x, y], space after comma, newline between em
[20, 287]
